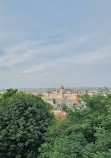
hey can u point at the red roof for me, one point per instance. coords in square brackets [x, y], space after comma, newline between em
[63, 117]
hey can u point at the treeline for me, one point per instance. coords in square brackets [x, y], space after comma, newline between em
[28, 129]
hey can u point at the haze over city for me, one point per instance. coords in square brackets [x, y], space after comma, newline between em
[47, 43]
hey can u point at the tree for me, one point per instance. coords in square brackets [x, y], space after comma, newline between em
[85, 134]
[24, 119]
[54, 101]
[9, 92]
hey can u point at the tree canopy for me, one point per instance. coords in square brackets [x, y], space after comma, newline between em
[85, 134]
[23, 121]
[28, 128]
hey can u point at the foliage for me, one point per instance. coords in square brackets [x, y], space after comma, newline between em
[85, 134]
[54, 101]
[24, 119]
[39, 95]
[9, 92]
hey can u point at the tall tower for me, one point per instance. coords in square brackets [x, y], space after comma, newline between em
[62, 91]
[77, 101]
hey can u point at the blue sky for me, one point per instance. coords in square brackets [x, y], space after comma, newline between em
[47, 43]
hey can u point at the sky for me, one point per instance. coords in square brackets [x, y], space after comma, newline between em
[49, 43]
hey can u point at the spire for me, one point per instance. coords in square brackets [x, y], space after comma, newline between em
[62, 90]
[62, 87]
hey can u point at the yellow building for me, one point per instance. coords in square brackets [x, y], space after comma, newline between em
[60, 94]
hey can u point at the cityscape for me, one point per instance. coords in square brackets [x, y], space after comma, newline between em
[61, 97]
[55, 79]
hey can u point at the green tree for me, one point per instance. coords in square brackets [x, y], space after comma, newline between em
[9, 92]
[54, 101]
[24, 119]
[39, 95]
[85, 134]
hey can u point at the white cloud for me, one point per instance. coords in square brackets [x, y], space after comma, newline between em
[94, 57]
[9, 60]
[78, 60]
[44, 55]
[35, 50]
[35, 69]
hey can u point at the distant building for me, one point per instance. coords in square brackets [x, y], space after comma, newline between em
[61, 94]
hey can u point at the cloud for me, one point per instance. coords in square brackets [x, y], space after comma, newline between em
[97, 56]
[30, 51]
[66, 47]
[35, 69]
[78, 60]
[40, 55]
[11, 60]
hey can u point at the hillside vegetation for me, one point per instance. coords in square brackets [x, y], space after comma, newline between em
[23, 121]
[85, 134]
[28, 129]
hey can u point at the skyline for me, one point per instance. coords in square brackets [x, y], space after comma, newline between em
[45, 44]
